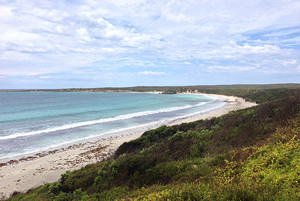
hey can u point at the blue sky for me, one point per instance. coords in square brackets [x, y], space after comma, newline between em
[61, 44]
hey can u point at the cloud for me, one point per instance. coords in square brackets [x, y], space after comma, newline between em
[152, 73]
[46, 77]
[64, 36]
[234, 68]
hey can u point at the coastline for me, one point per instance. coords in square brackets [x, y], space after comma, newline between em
[41, 168]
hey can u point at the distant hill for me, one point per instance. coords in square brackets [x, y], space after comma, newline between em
[173, 88]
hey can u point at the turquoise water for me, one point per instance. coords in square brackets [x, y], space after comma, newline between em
[35, 121]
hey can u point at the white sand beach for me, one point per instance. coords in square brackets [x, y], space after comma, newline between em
[41, 168]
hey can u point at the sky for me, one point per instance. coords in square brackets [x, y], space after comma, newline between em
[119, 43]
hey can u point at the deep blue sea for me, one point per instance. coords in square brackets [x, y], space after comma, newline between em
[35, 121]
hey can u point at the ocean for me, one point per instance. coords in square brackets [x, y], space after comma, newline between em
[36, 121]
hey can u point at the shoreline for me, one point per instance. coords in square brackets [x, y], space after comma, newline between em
[118, 132]
[44, 167]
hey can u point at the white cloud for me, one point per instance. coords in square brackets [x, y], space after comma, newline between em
[46, 77]
[293, 61]
[6, 14]
[60, 36]
[152, 73]
[233, 68]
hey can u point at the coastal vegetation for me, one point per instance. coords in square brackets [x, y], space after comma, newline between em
[249, 154]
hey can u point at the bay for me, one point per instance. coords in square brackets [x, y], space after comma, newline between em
[34, 121]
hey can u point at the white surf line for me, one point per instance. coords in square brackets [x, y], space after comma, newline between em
[99, 121]
[93, 138]
[132, 130]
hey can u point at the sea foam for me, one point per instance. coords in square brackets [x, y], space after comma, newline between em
[99, 121]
